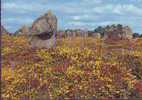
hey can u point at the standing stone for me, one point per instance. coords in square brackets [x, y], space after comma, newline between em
[127, 32]
[112, 35]
[43, 31]
[23, 31]
[96, 35]
[115, 33]
[69, 33]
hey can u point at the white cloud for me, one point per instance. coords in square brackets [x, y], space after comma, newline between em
[80, 24]
[84, 17]
[131, 9]
[23, 7]
[92, 1]
[122, 9]
[18, 20]
[75, 13]
[76, 17]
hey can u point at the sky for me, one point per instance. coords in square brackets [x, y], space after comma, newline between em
[84, 14]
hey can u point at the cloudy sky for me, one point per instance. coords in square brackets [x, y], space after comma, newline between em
[85, 14]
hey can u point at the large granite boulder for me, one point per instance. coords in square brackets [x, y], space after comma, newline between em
[43, 31]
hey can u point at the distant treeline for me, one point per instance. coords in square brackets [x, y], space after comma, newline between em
[117, 30]
[136, 35]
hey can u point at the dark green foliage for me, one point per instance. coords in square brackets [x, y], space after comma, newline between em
[109, 28]
[100, 30]
[136, 35]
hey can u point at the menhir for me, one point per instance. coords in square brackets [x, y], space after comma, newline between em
[43, 31]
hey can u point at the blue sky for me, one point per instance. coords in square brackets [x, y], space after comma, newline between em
[85, 14]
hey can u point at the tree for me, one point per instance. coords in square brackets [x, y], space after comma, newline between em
[113, 26]
[107, 28]
[136, 35]
[119, 26]
[100, 30]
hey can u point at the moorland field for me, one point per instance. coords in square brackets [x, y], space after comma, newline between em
[75, 69]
